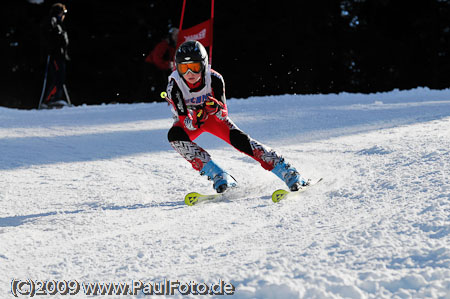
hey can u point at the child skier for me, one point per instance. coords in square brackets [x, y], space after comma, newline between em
[197, 95]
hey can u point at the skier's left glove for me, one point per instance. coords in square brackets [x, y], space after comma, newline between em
[212, 106]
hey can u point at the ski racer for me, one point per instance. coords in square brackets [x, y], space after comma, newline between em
[197, 95]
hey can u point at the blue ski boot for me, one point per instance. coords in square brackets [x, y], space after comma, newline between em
[289, 175]
[222, 180]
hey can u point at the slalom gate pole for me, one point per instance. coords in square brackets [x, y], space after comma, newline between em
[212, 32]
[182, 15]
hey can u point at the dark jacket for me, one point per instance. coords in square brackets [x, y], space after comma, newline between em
[57, 39]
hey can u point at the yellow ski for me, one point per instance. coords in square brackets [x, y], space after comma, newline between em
[194, 198]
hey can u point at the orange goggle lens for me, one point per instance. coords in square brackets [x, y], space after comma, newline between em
[195, 67]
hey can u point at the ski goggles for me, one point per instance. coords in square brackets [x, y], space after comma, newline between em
[194, 67]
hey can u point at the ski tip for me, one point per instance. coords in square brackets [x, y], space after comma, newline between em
[191, 198]
[279, 195]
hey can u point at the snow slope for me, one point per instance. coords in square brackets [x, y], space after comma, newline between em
[95, 194]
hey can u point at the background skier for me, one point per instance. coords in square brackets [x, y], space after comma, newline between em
[160, 63]
[197, 94]
[56, 40]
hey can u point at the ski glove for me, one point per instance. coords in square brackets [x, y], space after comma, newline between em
[212, 106]
[195, 119]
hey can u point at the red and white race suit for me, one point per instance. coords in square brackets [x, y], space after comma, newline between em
[187, 127]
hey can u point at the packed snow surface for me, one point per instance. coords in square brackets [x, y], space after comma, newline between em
[95, 194]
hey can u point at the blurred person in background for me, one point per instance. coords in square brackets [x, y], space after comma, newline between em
[56, 41]
[161, 64]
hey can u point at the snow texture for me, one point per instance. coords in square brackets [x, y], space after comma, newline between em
[95, 193]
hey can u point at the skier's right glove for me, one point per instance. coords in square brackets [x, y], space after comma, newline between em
[195, 119]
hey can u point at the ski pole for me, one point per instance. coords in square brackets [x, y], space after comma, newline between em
[45, 82]
[67, 95]
[164, 96]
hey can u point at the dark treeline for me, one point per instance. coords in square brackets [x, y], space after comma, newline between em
[261, 47]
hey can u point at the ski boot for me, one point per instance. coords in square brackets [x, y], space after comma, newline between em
[289, 175]
[222, 180]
